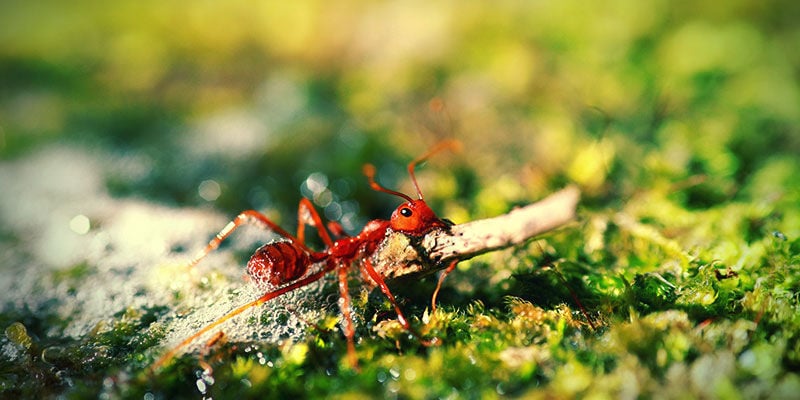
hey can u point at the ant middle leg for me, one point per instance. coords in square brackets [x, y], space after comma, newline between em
[308, 215]
[337, 230]
[367, 265]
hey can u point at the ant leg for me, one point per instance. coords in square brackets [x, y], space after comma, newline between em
[207, 368]
[214, 339]
[367, 264]
[444, 273]
[336, 229]
[306, 321]
[245, 217]
[308, 215]
[452, 144]
[257, 302]
[347, 320]
[574, 295]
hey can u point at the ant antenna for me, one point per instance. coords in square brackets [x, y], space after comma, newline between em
[451, 144]
[369, 169]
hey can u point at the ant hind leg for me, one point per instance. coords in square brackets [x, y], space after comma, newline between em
[166, 357]
[245, 217]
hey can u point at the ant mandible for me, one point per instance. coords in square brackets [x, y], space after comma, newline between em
[285, 264]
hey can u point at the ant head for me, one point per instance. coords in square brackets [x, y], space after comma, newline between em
[413, 217]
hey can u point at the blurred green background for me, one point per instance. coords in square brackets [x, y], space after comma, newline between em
[679, 120]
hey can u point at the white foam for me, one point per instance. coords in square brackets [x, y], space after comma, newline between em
[129, 256]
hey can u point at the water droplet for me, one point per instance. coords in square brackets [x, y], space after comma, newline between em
[316, 182]
[500, 389]
[333, 211]
[323, 198]
[55, 354]
[209, 190]
[80, 224]
[410, 374]
[201, 386]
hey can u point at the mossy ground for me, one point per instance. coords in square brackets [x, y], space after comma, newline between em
[130, 133]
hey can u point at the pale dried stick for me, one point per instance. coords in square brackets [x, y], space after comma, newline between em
[400, 255]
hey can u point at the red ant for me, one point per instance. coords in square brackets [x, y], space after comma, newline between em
[285, 264]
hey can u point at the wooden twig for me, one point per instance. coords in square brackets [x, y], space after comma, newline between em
[401, 255]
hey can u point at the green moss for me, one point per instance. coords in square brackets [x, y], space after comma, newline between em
[679, 278]
[18, 335]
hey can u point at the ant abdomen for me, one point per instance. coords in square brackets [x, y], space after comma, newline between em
[278, 263]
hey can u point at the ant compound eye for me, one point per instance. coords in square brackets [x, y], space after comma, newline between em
[406, 212]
